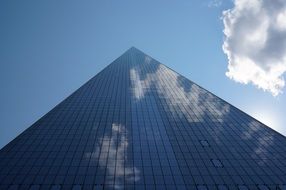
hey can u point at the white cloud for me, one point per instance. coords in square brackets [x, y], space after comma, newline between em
[255, 43]
[215, 3]
[111, 150]
[192, 97]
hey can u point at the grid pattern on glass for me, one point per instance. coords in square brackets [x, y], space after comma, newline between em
[138, 124]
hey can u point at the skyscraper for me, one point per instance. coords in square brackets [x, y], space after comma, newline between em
[140, 125]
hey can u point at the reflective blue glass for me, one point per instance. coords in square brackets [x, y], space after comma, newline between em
[140, 125]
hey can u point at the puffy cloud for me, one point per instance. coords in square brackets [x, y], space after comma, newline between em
[255, 43]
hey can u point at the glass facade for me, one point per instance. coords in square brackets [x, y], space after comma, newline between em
[140, 125]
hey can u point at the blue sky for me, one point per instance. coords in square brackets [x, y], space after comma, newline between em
[48, 49]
